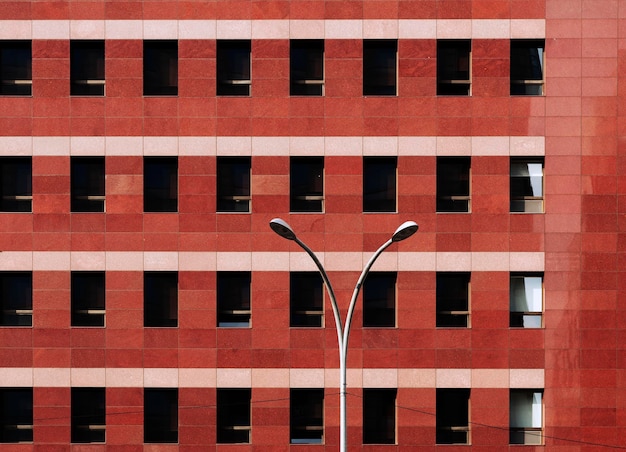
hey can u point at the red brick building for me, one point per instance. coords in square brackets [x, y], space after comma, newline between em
[145, 146]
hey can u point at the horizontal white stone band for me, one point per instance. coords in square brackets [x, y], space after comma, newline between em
[274, 146]
[266, 261]
[269, 378]
[275, 29]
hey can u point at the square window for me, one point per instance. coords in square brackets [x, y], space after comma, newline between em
[526, 297]
[233, 299]
[87, 183]
[306, 67]
[16, 415]
[453, 68]
[379, 300]
[380, 67]
[527, 185]
[233, 68]
[16, 299]
[88, 299]
[306, 183]
[453, 184]
[453, 416]
[160, 415]
[16, 68]
[160, 184]
[453, 300]
[233, 416]
[379, 184]
[527, 58]
[306, 416]
[160, 299]
[88, 415]
[16, 185]
[526, 416]
[233, 184]
[379, 416]
[160, 68]
[87, 68]
[306, 299]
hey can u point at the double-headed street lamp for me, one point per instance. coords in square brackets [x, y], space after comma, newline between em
[406, 230]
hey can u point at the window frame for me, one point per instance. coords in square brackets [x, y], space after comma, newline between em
[88, 415]
[16, 187]
[159, 404]
[380, 317]
[88, 81]
[160, 195]
[518, 187]
[528, 80]
[450, 56]
[452, 426]
[231, 197]
[375, 401]
[517, 317]
[305, 78]
[229, 313]
[373, 169]
[16, 77]
[519, 432]
[233, 416]
[304, 194]
[444, 283]
[374, 72]
[452, 195]
[234, 67]
[22, 312]
[16, 416]
[306, 416]
[88, 304]
[155, 283]
[87, 196]
[307, 286]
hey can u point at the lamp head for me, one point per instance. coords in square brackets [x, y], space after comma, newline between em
[280, 227]
[404, 231]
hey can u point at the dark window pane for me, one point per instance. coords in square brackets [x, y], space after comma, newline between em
[160, 68]
[233, 68]
[526, 300]
[307, 416]
[453, 184]
[379, 184]
[453, 299]
[527, 185]
[88, 415]
[233, 415]
[379, 300]
[526, 416]
[527, 67]
[233, 184]
[233, 299]
[160, 299]
[16, 415]
[88, 299]
[87, 68]
[306, 67]
[16, 299]
[87, 175]
[306, 181]
[306, 299]
[160, 415]
[160, 183]
[453, 68]
[379, 67]
[15, 68]
[453, 416]
[379, 416]
[16, 184]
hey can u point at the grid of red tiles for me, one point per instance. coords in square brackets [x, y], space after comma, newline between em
[271, 111]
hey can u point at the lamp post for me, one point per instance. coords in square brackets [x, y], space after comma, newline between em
[404, 231]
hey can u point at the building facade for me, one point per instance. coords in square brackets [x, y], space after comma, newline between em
[147, 305]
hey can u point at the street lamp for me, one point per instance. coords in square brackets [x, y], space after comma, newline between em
[406, 230]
